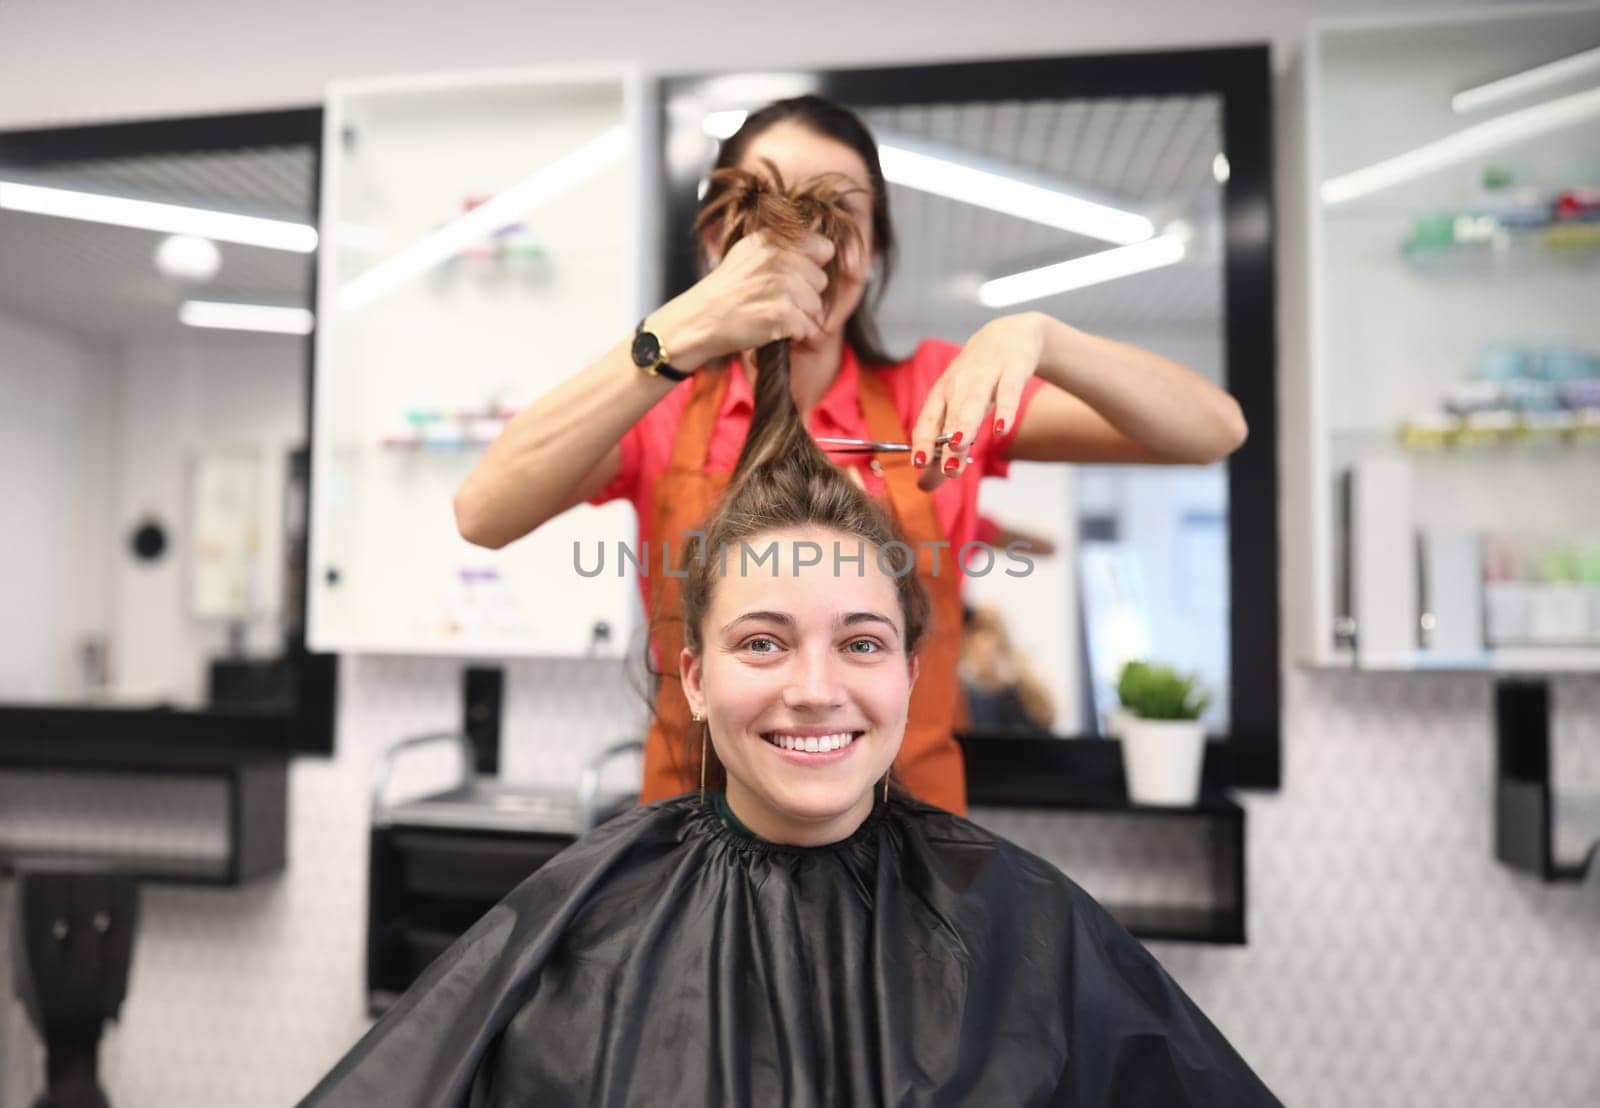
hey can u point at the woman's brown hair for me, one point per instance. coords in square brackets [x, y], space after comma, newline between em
[782, 479]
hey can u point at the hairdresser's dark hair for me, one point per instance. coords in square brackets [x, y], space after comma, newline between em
[782, 479]
[823, 117]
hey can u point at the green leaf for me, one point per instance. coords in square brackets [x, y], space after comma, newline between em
[1160, 692]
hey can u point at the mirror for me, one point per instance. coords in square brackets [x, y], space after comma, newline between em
[155, 314]
[1145, 559]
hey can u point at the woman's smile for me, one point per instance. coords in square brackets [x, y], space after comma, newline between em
[806, 747]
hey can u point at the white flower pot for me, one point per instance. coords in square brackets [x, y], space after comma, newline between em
[1162, 759]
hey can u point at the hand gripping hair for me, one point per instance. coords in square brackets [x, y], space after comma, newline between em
[740, 203]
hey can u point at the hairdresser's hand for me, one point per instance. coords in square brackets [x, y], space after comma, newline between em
[758, 293]
[988, 375]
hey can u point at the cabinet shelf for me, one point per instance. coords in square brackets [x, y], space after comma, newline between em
[1553, 661]
[1007, 773]
[1481, 433]
[1179, 924]
[433, 446]
[251, 784]
[1576, 242]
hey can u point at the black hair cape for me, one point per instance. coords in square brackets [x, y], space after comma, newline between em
[665, 960]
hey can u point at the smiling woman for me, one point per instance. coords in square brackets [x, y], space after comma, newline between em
[795, 939]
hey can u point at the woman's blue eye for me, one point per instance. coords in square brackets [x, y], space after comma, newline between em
[752, 642]
[864, 642]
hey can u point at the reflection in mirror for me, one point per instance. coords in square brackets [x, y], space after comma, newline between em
[1127, 561]
[152, 426]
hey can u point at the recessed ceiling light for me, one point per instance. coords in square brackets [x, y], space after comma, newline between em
[246, 317]
[188, 258]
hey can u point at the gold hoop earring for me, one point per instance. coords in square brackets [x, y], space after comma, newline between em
[704, 731]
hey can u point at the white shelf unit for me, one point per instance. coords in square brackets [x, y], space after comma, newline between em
[435, 325]
[1373, 337]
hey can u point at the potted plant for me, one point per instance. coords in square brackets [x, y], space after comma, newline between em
[1163, 742]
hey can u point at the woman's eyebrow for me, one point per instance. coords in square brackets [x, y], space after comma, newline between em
[773, 617]
[787, 620]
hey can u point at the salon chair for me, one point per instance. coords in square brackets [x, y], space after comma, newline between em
[72, 947]
[487, 803]
[439, 861]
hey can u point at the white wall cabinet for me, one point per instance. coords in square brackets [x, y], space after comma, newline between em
[483, 238]
[1444, 435]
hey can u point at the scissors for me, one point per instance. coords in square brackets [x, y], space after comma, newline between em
[872, 446]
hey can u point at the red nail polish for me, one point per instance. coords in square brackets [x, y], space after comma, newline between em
[999, 426]
[955, 439]
[950, 465]
[920, 460]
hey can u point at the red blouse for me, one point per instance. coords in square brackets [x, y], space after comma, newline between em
[647, 445]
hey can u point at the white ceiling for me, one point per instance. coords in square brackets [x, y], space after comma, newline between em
[1154, 154]
[100, 283]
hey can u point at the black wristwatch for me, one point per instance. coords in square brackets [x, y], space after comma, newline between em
[649, 356]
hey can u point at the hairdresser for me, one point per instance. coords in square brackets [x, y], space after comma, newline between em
[661, 417]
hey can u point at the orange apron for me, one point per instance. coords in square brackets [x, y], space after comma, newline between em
[929, 764]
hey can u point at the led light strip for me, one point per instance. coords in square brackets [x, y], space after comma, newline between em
[149, 215]
[1528, 80]
[1077, 273]
[1464, 144]
[1009, 194]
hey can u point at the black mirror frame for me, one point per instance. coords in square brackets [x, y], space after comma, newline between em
[1014, 771]
[309, 728]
